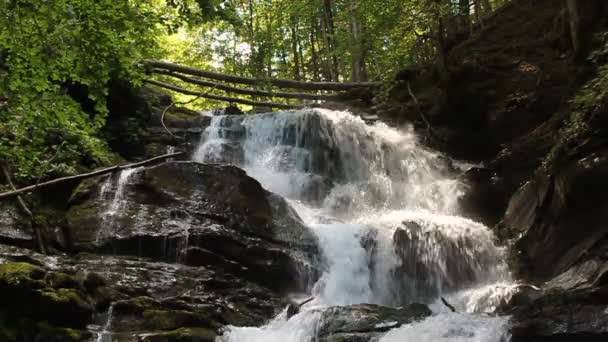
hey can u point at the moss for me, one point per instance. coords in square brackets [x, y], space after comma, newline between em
[64, 296]
[61, 280]
[162, 320]
[173, 319]
[185, 334]
[21, 274]
[589, 99]
[7, 334]
[50, 333]
[135, 305]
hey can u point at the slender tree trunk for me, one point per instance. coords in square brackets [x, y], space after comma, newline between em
[464, 14]
[294, 51]
[487, 6]
[269, 39]
[358, 71]
[313, 52]
[575, 24]
[330, 39]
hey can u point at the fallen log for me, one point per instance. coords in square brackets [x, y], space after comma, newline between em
[252, 92]
[220, 97]
[281, 83]
[81, 176]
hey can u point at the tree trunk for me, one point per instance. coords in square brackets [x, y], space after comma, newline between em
[464, 14]
[358, 72]
[487, 6]
[575, 24]
[294, 51]
[330, 39]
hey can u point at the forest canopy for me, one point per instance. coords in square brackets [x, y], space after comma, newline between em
[57, 57]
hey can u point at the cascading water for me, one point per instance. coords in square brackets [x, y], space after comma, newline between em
[116, 202]
[385, 211]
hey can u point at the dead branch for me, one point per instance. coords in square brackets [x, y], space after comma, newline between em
[450, 306]
[111, 169]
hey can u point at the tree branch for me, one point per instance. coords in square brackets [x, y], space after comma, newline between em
[281, 83]
[111, 169]
[173, 103]
[450, 306]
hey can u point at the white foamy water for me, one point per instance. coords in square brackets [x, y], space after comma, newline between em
[385, 211]
[114, 191]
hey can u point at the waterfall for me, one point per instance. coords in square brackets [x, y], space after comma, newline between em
[385, 210]
[105, 334]
[114, 192]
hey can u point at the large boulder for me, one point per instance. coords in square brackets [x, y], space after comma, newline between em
[366, 322]
[560, 218]
[197, 214]
[563, 315]
[13, 229]
[561, 242]
[432, 257]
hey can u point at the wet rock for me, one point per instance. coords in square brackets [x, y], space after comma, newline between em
[134, 129]
[41, 305]
[433, 261]
[151, 299]
[561, 218]
[486, 197]
[13, 230]
[181, 335]
[364, 322]
[201, 214]
[563, 316]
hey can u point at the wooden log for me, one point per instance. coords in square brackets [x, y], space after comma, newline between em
[252, 92]
[222, 98]
[281, 83]
[111, 169]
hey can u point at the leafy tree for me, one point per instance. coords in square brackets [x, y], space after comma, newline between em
[57, 59]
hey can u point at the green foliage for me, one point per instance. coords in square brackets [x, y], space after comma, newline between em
[591, 97]
[53, 49]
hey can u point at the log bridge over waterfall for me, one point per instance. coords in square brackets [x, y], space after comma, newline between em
[315, 92]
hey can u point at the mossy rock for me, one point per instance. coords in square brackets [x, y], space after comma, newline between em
[21, 274]
[186, 334]
[29, 291]
[50, 333]
[136, 305]
[27, 330]
[61, 280]
[173, 319]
